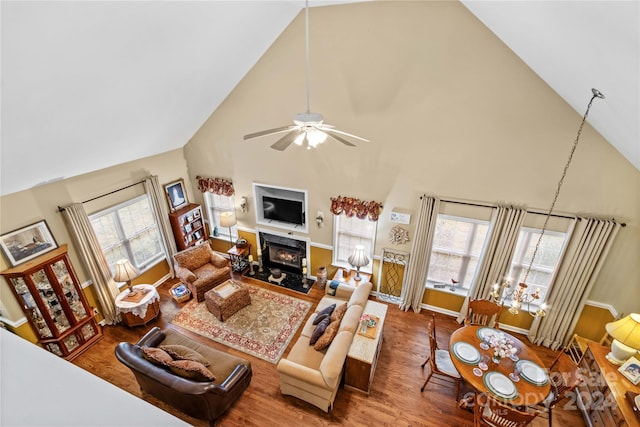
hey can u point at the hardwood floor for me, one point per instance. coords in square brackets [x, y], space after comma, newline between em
[395, 398]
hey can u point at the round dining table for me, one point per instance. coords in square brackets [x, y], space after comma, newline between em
[531, 385]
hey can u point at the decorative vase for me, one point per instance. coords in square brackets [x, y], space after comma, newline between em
[321, 276]
[496, 359]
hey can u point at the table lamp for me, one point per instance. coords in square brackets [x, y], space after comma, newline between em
[358, 259]
[228, 219]
[626, 338]
[125, 272]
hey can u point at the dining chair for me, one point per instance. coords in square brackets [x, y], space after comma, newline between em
[565, 377]
[489, 412]
[439, 360]
[483, 312]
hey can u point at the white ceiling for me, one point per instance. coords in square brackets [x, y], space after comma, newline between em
[87, 85]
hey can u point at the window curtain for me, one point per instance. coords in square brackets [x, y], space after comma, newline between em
[91, 255]
[506, 223]
[219, 186]
[583, 259]
[156, 197]
[417, 267]
[350, 206]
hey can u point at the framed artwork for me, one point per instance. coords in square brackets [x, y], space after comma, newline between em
[631, 370]
[27, 243]
[176, 196]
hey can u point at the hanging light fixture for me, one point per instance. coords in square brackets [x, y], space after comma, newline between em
[520, 295]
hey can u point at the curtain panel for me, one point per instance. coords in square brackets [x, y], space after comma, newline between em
[350, 206]
[96, 265]
[578, 270]
[418, 265]
[503, 236]
[219, 186]
[156, 198]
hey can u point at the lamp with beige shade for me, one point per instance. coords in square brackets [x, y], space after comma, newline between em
[626, 338]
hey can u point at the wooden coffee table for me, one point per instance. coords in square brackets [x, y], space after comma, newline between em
[363, 353]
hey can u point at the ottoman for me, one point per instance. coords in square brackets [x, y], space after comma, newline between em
[226, 299]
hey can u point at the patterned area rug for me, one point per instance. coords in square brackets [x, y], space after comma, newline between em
[262, 329]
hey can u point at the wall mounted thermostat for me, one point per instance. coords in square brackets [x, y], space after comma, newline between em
[399, 217]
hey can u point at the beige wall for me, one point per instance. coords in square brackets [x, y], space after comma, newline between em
[26, 207]
[449, 110]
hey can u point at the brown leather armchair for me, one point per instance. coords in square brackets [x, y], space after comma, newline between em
[202, 400]
[201, 269]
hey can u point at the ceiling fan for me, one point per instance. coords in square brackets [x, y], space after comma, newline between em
[308, 129]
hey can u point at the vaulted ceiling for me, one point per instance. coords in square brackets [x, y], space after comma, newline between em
[88, 85]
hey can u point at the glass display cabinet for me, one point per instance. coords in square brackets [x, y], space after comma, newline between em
[51, 298]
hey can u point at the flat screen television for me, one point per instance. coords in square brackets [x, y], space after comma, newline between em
[283, 210]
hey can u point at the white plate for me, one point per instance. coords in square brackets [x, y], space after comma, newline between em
[500, 385]
[466, 352]
[532, 373]
[485, 332]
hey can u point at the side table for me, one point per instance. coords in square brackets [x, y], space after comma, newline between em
[349, 277]
[142, 312]
[364, 351]
[239, 258]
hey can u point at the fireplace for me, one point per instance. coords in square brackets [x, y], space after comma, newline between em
[281, 252]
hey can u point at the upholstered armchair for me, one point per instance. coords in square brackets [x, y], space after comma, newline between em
[201, 269]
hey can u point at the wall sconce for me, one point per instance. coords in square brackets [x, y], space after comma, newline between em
[319, 219]
[244, 204]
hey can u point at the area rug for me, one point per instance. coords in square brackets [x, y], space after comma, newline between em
[291, 281]
[262, 329]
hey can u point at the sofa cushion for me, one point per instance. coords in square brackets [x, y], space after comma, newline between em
[351, 319]
[319, 330]
[360, 294]
[192, 370]
[156, 355]
[209, 273]
[338, 313]
[329, 334]
[181, 352]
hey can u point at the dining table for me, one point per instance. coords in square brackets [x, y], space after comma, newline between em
[518, 378]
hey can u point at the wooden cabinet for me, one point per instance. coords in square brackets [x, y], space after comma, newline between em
[601, 396]
[188, 226]
[53, 302]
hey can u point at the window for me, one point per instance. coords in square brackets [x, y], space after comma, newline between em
[546, 262]
[216, 204]
[349, 232]
[129, 230]
[457, 248]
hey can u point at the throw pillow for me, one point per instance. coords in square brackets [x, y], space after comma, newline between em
[191, 370]
[181, 352]
[319, 318]
[319, 330]
[156, 355]
[327, 310]
[339, 312]
[328, 336]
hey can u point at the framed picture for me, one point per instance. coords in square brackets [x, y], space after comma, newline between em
[176, 196]
[27, 243]
[631, 370]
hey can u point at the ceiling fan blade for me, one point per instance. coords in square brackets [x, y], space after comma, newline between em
[328, 128]
[269, 132]
[285, 141]
[333, 135]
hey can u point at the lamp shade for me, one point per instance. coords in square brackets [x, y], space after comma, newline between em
[358, 258]
[227, 219]
[626, 330]
[125, 272]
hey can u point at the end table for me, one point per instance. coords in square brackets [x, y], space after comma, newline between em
[239, 258]
[141, 312]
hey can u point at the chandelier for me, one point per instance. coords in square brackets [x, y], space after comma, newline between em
[520, 295]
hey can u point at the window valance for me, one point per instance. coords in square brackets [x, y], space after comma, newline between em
[350, 206]
[219, 186]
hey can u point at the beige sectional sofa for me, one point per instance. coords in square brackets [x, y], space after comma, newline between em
[314, 376]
